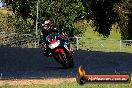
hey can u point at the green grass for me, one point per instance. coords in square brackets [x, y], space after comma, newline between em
[71, 85]
[114, 34]
[99, 44]
[93, 41]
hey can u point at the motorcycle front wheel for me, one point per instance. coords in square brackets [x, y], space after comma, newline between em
[64, 61]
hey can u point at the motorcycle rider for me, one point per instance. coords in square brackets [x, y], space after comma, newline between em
[47, 29]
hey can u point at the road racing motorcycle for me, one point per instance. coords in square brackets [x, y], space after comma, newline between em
[58, 48]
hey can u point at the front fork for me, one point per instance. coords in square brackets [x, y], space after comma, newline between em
[69, 49]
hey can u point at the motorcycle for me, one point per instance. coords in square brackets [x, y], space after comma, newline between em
[59, 50]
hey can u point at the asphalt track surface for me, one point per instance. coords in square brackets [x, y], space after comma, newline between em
[23, 63]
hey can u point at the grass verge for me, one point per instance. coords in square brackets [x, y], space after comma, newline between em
[69, 85]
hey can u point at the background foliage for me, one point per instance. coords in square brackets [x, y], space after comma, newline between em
[66, 14]
[105, 13]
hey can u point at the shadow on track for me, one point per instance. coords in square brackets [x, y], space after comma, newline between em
[31, 63]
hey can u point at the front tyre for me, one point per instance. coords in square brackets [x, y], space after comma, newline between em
[66, 62]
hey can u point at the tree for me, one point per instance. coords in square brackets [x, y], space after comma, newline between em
[107, 12]
[102, 14]
[124, 18]
[6, 25]
[63, 14]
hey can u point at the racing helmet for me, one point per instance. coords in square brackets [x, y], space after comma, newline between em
[46, 24]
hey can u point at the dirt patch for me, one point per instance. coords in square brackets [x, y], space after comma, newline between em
[37, 81]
